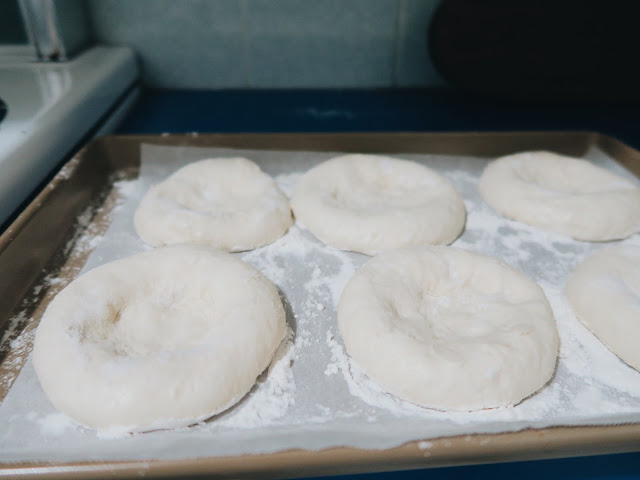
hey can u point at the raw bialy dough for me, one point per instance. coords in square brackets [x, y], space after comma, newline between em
[449, 329]
[604, 292]
[370, 203]
[161, 339]
[563, 194]
[228, 203]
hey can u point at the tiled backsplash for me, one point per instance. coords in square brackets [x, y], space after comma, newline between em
[272, 43]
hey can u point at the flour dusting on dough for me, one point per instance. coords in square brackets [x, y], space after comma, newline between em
[326, 399]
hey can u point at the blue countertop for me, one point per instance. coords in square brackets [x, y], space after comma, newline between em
[434, 110]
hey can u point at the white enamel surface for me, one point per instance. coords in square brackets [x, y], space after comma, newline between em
[50, 108]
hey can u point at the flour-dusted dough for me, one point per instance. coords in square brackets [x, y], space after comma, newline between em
[228, 203]
[449, 329]
[370, 203]
[604, 292]
[563, 194]
[161, 339]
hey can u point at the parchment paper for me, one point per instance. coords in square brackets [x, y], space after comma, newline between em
[313, 396]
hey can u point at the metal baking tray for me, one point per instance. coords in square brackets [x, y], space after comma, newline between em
[40, 244]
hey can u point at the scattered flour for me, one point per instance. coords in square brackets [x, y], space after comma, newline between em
[18, 341]
[13, 329]
[84, 239]
[288, 181]
[314, 395]
[331, 369]
[55, 424]
[270, 399]
[67, 170]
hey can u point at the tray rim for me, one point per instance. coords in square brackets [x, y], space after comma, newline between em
[554, 442]
[529, 444]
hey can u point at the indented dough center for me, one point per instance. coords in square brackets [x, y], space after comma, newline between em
[147, 327]
[442, 318]
[212, 202]
[390, 197]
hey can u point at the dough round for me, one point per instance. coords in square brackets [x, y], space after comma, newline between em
[161, 339]
[563, 194]
[604, 292]
[370, 203]
[228, 203]
[449, 329]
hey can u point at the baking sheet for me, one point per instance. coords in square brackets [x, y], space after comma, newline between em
[314, 397]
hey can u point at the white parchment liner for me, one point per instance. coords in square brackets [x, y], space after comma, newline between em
[314, 397]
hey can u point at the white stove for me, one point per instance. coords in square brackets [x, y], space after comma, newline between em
[52, 108]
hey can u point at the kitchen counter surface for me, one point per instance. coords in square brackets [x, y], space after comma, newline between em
[433, 110]
[176, 111]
